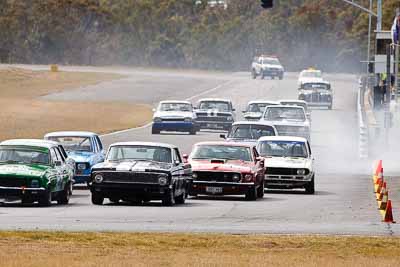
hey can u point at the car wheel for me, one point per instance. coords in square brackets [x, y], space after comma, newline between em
[97, 198]
[45, 199]
[251, 195]
[181, 199]
[281, 77]
[272, 77]
[260, 191]
[65, 195]
[253, 74]
[310, 187]
[330, 107]
[169, 199]
[114, 199]
[155, 131]
[192, 131]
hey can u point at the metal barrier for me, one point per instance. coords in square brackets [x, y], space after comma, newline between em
[363, 139]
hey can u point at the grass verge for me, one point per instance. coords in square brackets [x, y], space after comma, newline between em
[24, 115]
[134, 249]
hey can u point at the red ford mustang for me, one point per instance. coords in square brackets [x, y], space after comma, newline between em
[226, 168]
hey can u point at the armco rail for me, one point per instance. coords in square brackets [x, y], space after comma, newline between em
[363, 127]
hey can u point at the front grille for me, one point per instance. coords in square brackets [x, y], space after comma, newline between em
[216, 176]
[13, 182]
[281, 171]
[131, 177]
[212, 119]
[315, 97]
[173, 119]
[78, 171]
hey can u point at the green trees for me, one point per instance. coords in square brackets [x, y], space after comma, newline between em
[176, 33]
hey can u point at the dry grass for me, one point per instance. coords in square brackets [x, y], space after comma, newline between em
[24, 115]
[130, 249]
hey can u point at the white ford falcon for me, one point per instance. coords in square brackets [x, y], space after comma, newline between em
[288, 161]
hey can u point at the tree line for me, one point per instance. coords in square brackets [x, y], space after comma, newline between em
[177, 33]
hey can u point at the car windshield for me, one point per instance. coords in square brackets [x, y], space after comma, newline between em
[23, 156]
[223, 152]
[312, 74]
[74, 143]
[316, 86]
[250, 131]
[271, 61]
[218, 105]
[284, 113]
[175, 107]
[300, 104]
[258, 107]
[151, 153]
[282, 149]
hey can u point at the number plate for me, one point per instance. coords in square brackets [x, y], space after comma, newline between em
[212, 125]
[213, 190]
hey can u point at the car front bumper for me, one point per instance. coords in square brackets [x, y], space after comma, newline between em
[174, 126]
[215, 125]
[286, 181]
[219, 188]
[129, 190]
[268, 72]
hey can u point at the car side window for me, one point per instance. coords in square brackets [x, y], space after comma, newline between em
[59, 156]
[309, 148]
[95, 145]
[99, 143]
[53, 154]
[177, 156]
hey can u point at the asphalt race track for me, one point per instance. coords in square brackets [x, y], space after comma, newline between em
[343, 203]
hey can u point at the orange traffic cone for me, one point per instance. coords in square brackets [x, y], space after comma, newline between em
[378, 185]
[378, 168]
[379, 194]
[388, 215]
[383, 202]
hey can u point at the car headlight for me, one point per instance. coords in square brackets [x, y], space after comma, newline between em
[98, 178]
[236, 177]
[81, 166]
[188, 119]
[35, 183]
[162, 180]
[229, 118]
[248, 177]
[301, 172]
[157, 119]
[194, 175]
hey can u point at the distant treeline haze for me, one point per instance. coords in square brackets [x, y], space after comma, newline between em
[328, 34]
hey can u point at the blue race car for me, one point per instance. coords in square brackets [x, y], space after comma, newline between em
[85, 148]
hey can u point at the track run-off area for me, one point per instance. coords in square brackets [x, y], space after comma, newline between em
[343, 202]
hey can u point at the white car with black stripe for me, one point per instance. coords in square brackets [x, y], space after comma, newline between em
[215, 114]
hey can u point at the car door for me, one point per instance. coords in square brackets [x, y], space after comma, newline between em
[56, 172]
[260, 168]
[64, 172]
[179, 172]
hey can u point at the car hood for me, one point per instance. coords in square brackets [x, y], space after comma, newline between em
[272, 66]
[243, 141]
[286, 162]
[23, 170]
[291, 123]
[140, 166]
[211, 112]
[81, 156]
[173, 114]
[228, 166]
[311, 80]
[252, 114]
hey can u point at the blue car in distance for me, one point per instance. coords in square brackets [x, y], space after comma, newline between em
[85, 148]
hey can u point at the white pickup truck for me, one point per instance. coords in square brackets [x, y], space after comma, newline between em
[267, 66]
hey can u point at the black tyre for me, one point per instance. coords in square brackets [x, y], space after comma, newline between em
[253, 74]
[155, 131]
[45, 199]
[97, 199]
[251, 195]
[181, 198]
[169, 199]
[272, 77]
[64, 196]
[114, 199]
[193, 131]
[260, 190]
[281, 77]
[310, 187]
[330, 107]
[262, 76]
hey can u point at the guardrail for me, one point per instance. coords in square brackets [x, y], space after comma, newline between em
[363, 139]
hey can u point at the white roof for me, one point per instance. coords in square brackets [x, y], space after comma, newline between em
[293, 101]
[175, 102]
[310, 70]
[70, 133]
[285, 106]
[143, 144]
[215, 99]
[263, 102]
[266, 123]
[29, 142]
[283, 138]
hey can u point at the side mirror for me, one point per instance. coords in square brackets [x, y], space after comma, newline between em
[57, 163]
[154, 110]
[194, 108]
[177, 162]
[244, 111]
[261, 160]
[223, 136]
[185, 158]
[233, 109]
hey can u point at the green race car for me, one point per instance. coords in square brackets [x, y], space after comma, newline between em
[35, 170]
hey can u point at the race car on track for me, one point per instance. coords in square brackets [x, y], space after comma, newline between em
[177, 116]
[309, 75]
[300, 103]
[249, 131]
[215, 114]
[227, 168]
[316, 94]
[138, 172]
[289, 163]
[255, 109]
[34, 170]
[288, 120]
[85, 148]
[267, 66]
